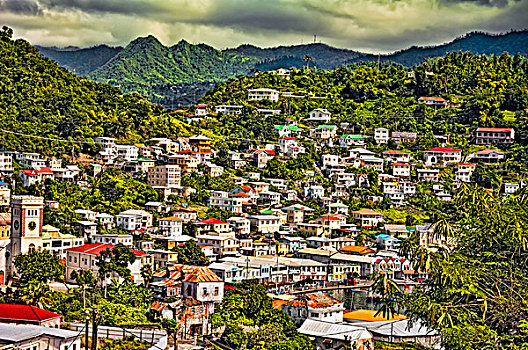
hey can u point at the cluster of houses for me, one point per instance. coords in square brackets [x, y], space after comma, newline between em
[270, 235]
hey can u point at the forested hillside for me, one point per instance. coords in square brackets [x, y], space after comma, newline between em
[80, 61]
[39, 97]
[483, 91]
[147, 66]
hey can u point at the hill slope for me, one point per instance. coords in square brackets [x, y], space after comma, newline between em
[149, 67]
[38, 97]
[476, 43]
[82, 61]
[145, 64]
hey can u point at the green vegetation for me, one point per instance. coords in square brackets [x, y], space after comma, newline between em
[146, 63]
[476, 290]
[157, 71]
[190, 253]
[252, 322]
[129, 343]
[38, 97]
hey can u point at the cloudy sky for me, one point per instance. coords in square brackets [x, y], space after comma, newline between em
[367, 25]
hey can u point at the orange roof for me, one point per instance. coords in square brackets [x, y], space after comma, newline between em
[158, 306]
[246, 188]
[369, 316]
[358, 249]
[277, 304]
[171, 218]
[427, 98]
[190, 273]
[366, 211]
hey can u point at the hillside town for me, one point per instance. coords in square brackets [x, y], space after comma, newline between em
[309, 241]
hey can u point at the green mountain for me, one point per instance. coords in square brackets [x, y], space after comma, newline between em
[39, 97]
[476, 43]
[82, 61]
[145, 65]
[157, 71]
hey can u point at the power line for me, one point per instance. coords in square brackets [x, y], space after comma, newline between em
[45, 138]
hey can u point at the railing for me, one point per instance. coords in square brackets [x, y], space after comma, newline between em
[158, 339]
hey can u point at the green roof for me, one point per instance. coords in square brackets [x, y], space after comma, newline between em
[291, 127]
[143, 159]
[354, 137]
[326, 126]
[269, 212]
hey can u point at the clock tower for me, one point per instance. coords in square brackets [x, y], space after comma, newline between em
[26, 224]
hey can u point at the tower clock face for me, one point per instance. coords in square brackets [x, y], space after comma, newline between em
[16, 225]
[32, 225]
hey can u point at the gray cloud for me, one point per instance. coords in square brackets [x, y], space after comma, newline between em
[371, 25]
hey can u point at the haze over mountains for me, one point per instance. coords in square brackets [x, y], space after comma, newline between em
[147, 66]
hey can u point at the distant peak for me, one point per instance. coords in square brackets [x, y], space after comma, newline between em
[150, 39]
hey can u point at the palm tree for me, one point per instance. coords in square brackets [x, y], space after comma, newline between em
[36, 293]
[307, 59]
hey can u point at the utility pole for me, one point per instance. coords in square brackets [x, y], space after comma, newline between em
[86, 329]
[315, 38]
[94, 330]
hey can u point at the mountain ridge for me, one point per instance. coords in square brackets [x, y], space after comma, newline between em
[147, 66]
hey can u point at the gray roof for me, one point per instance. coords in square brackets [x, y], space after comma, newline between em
[399, 328]
[340, 331]
[10, 333]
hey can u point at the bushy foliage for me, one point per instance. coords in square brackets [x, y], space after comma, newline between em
[249, 305]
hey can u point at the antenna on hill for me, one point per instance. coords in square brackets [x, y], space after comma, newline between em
[315, 38]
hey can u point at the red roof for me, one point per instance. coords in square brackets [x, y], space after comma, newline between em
[269, 152]
[330, 218]
[495, 129]
[213, 222]
[246, 188]
[394, 152]
[25, 313]
[201, 105]
[97, 248]
[44, 169]
[401, 164]
[288, 138]
[467, 164]
[241, 194]
[29, 172]
[443, 149]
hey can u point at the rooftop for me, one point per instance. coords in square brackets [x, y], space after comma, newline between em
[25, 313]
[97, 248]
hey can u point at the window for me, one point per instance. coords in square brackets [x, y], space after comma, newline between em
[314, 314]
[204, 291]
[216, 291]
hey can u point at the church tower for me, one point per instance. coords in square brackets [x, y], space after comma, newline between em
[26, 224]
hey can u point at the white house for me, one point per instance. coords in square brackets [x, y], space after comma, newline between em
[381, 135]
[401, 169]
[265, 223]
[134, 220]
[442, 155]
[85, 258]
[263, 94]
[171, 226]
[230, 110]
[319, 115]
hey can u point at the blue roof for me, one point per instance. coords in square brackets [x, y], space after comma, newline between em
[385, 236]
[3, 183]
